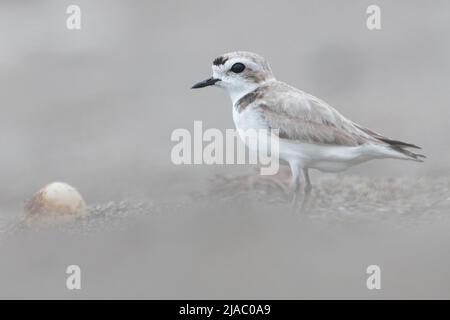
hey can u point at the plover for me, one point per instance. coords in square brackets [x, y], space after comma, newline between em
[312, 134]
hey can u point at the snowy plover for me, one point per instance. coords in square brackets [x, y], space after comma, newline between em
[312, 134]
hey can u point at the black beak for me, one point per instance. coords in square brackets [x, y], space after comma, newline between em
[205, 83]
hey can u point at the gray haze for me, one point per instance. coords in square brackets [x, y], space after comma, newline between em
[95, 108]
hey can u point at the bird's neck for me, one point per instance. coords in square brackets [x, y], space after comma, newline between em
[236, 93]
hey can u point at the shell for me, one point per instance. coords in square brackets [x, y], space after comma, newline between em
[56, 203]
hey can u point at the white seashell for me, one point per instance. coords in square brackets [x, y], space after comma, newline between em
[56, 203]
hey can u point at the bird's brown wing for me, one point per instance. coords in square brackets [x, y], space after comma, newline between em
[304, 118]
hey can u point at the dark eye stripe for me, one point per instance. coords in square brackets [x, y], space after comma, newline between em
[237, 67]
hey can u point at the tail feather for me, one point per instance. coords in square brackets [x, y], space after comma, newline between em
[396, 145]
[400, 147]
[411, 155]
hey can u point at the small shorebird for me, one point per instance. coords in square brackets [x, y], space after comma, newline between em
[312, 134]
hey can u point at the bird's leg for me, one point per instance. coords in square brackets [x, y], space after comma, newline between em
[296, 187]
[296, 193]
[308, 189]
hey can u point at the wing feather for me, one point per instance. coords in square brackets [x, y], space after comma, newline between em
[303, 117]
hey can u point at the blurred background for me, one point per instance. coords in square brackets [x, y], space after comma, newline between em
[96, 107]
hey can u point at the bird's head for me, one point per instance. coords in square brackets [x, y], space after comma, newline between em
[238, 73]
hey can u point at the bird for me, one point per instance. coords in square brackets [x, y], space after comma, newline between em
[312, 134]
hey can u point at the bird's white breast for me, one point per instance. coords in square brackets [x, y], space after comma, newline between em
[249, 118]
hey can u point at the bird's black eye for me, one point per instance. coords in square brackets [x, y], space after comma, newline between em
[237, 67]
